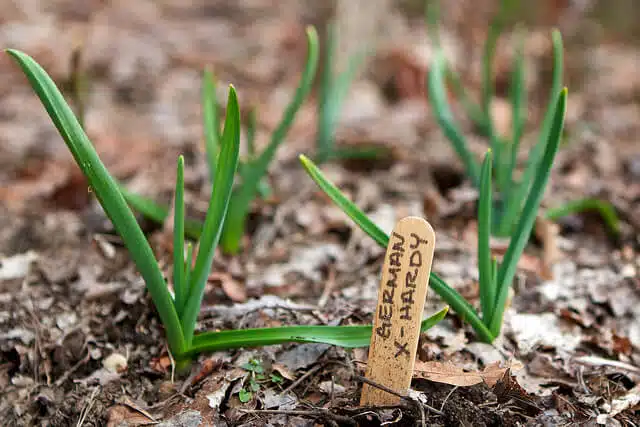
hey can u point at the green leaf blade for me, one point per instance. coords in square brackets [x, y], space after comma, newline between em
[216, 213]
[106, 190]
[517, 95]
[604, 209]
[521, 236]
[211, 121]
[179, 285]
[343, 336]
[517, 197]
[158, 213]
[487, 285]
[347, 206]
[256, 170]
[440, 105]
[447, 293]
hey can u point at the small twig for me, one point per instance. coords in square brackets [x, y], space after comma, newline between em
[173, 364]
[448, 396]
[329, 284]
[398, 418]
[423, 416]
[71, 370]
[87, 408]
[297, 382]
[395, 393]
[332, 391]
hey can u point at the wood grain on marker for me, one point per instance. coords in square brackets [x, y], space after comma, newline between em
[401, 298]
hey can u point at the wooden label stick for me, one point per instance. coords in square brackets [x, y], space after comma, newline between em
[401, 298]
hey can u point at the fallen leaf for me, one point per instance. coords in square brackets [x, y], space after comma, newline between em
[507, 389]
[447, 373]
[160, 364]
[547, 231]
[628, 401]
[208, 366]
[283, 371]
[235, 290]
[274, 399]
[301, 356]
[121, 415]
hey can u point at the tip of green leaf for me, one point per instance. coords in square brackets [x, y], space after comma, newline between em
[13, 52]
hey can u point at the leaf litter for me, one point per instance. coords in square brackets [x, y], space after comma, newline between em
[79, 340]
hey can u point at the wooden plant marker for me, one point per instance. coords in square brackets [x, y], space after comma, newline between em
[401, 298]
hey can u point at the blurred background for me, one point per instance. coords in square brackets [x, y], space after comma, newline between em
[141, 63]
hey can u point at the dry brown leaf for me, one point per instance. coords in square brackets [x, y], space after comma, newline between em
[507, 389]
[207, 367]
[547, 231]
[232, 288]
[447, 373]
[122, 414]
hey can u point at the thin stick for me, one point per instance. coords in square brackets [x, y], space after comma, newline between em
[87, 408]
[448, 396]
[173, 364]
[74, 368]
[329, 284]
[395, 393]
[297, 382]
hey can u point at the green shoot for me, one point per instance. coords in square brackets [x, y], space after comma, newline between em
[252, 170]
[604, 209]
[107, 192]
[527, 218]
[179, 284]
[79, 81]
[216, 213]
[485, 267]
[333, 91]
[179, 313]
[440, 105]
[447, 293]
[510, 193]
[341, 336]
[256, 168]
[513, 205]
[211, 121]
[157, 212]
[495, 279]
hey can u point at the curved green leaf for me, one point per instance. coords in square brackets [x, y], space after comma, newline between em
[447, 293]
[440, 105]
[216, 213]
[342, 336]
[527, 219]
[179, 285]
[487, 284]
[517, 197]
[605, 209]
[106, 190]
[255, 170]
